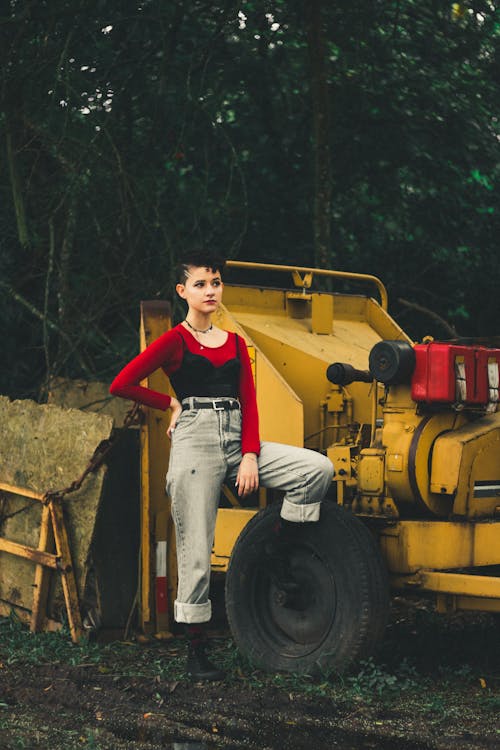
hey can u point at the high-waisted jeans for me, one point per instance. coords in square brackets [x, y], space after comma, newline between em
[205, 454]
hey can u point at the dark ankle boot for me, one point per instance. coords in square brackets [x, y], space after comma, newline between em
[276, 558]
[198, 665]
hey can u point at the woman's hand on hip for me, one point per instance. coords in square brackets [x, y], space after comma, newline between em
[247, 480]
[176, 407]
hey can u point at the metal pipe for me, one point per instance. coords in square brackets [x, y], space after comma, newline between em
[319, 272]
[374, 412]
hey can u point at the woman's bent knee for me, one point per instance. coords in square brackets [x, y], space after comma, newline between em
[323, 470]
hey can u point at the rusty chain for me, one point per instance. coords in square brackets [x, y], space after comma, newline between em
[133, 416]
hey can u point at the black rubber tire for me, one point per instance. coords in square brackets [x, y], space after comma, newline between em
[342, 608]
[378, 582]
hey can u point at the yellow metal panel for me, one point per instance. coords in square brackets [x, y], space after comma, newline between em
[395, 462]
[465, 461]
[371, 472]
[409, 439]
[302, 356]
[281, 412]
[230, 522]
[412, 545]
[237, 298]
[352, 307]
[322, 313]
[461, 584]
[446, 603]
[340, 456]
[381, 322]
[298, 305]
[351, 341]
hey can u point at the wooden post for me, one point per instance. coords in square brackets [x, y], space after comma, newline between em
[66, 569]
[155, 447]
[42, 579]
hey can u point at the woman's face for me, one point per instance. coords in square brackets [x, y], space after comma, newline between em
[202, 289]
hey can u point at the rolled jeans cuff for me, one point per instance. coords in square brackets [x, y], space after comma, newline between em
[300, 513]
[191, 613]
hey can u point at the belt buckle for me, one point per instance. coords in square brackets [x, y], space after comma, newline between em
[217, 408]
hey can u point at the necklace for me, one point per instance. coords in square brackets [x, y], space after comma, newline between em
[198, 330]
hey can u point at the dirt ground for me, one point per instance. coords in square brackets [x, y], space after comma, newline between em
[434, 684]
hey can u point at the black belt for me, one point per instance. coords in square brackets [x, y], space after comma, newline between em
[219, 404]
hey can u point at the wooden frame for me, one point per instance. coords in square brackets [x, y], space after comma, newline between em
[53, 534]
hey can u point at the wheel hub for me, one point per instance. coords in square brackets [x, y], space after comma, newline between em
[301, 608]
[292, 599]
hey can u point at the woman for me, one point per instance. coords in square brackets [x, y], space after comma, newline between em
[215, 440]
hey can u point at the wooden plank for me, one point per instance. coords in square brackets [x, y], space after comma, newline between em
[67, 572]
[155, 447]
[24, 491]
[29, 553]
[42, 574]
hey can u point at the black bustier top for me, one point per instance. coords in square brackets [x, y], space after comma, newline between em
[197, 376]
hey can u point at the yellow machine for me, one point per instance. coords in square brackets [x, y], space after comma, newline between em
[415, 500]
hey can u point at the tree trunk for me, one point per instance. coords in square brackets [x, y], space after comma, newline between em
[17, 194]
[323, 255]
[63, 292]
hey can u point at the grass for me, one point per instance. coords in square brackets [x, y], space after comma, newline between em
[430, 674]
[424, 657]
[18, 646]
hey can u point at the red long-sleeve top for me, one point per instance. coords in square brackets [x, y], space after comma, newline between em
[167, 353]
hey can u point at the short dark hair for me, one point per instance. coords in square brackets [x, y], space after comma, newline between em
[199, 258]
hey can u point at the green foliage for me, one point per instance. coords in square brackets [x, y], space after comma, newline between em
[145, 128]
[373, 680]
[18, 646]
